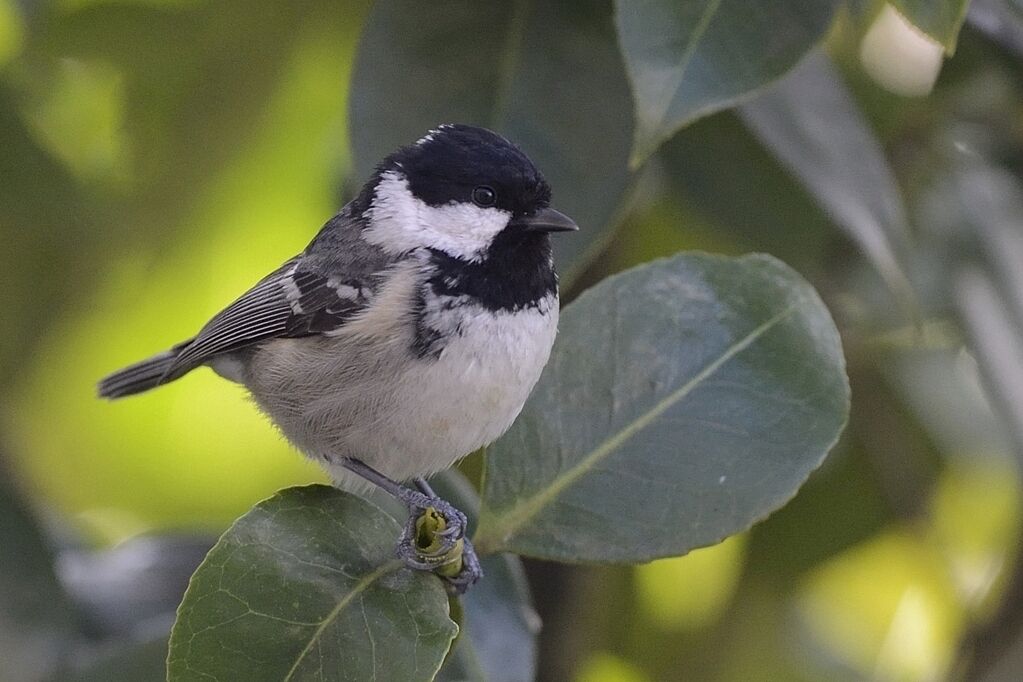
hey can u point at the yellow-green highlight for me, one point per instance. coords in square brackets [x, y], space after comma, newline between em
[12, 31]
[605, 667]
[691, 591]
[77, 114]
[975, 516]
[887, 608]
[194, 453]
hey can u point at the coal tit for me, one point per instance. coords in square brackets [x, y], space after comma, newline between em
[410, 331]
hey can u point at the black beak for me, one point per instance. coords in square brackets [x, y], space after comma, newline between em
[545, 220]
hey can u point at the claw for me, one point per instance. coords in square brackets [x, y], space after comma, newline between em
[433, 539]
[414, 560]
[469, 575]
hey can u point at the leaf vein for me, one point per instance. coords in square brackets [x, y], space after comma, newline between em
[520, 514]
[356, 591]
[687, 57]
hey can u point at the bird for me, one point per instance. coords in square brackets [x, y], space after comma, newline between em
[409, 332]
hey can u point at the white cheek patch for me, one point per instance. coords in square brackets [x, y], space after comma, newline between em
[400, 222]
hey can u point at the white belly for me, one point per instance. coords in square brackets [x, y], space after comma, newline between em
[362, 393]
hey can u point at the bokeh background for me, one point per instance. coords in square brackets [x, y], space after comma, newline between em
[158, 156]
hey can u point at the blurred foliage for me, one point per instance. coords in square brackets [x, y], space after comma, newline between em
[253, 209]
[35, 614]
[607, 668]
[158, 156]
[939, 20]
[896, 605]
[664, 589]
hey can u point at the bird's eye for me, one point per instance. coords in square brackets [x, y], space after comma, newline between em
[484, 196]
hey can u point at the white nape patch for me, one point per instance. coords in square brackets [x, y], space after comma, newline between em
[399, 222]
[292, 292]
[431, 135]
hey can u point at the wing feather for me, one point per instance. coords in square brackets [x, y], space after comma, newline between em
[290, 302]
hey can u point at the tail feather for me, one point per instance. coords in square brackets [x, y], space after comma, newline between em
[141, 376]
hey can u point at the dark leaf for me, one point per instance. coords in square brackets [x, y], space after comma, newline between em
[546, 75]
[812, 124]
[689, 59]
[720, 172]
[306, 586]
[989, 299]
[500, 627]
[684, 401]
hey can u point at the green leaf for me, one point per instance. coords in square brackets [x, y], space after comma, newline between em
[685, 400]
[547, 75]
[810, 121]
[306, 586]
[940, 19]
[689, 59]
[500, 627]
[988, 296]
[719, 172]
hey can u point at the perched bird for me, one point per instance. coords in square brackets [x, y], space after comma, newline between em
[409, 332]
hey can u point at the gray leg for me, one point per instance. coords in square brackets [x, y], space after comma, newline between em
[417, 502]
[423, 486]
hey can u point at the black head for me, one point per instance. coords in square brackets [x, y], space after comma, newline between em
[462, 163]
[459, 189]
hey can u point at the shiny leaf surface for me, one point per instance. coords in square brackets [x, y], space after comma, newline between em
[305, 586]
[685, 400]
[689, 59]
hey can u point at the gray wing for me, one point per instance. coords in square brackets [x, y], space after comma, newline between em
[295, 300]
[314, 293]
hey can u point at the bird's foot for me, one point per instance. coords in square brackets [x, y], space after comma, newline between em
[434, 535]
[434, 540]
